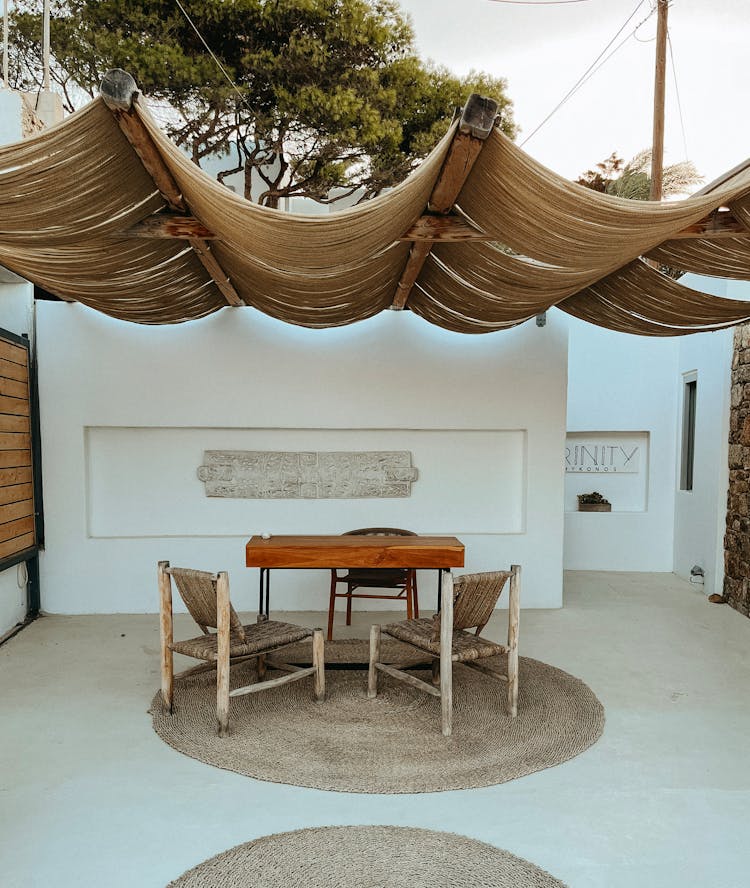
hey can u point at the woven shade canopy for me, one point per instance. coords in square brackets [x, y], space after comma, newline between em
[105, 210]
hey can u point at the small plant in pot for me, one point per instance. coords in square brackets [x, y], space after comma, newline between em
[593, 502]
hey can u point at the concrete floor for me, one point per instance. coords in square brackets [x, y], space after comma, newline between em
[89, 795]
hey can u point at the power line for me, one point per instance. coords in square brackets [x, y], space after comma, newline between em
[677, 93]
[633, 33]
[586, 73]
[214, 57]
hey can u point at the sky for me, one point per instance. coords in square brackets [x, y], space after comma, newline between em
[543, 50]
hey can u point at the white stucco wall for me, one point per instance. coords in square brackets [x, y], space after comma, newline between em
[623, 383]
[127, 412]
[700, 514]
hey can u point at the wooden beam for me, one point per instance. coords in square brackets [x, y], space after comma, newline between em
[474, 127]
[212, 265]
[418, 254]
[167, 225]
[444, 229]
[120, 93]
[720, 223]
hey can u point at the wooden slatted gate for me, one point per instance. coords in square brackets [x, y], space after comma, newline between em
[20, 494]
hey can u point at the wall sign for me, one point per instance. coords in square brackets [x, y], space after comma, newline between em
[285, 474]
[595, 457]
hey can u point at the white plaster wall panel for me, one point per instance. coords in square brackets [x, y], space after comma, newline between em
[12, 599]
[622, 383]
[700, 514]
[11, 116]
[628, 492]
[480, 473]
[239, 370]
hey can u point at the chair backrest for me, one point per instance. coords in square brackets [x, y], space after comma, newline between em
[474, 599]
[197, 589]
[381, 531]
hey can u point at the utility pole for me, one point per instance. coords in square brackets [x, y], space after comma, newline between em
[657, 149]
[45, 46]
[49, 107]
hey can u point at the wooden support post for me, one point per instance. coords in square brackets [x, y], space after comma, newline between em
[222, 653]
[475, 125]
[372, 675]
[657, 150]
[446, 651]
[514, 619]
[319, 663]
[166, 635]
[120, 93]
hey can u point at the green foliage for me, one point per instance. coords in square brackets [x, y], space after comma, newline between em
[330, 94]
[594, 498]
[632, 180]
[603, 173]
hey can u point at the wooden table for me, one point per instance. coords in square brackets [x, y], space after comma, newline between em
[345, 551]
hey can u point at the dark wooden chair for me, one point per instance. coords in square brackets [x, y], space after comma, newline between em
[402, 579]
[467, 603]
[206, 597]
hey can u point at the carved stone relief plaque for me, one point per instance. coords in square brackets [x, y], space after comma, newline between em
[285, 474]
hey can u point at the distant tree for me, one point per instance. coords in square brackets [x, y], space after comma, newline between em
[329, 96]
[603, 173]
[633, 179]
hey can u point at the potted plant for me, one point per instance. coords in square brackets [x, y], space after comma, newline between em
[593, 502]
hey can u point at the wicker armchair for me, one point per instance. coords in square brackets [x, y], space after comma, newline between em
[206, 597]
[402, 579]
[467, 602]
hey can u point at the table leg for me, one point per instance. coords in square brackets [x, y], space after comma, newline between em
[264, 594]
[440, 589]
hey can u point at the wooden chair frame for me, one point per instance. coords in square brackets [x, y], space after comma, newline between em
[224, 658]
[442, 667]
[409, 592]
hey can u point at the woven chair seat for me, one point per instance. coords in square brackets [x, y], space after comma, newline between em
[466, 645]
[259, 638]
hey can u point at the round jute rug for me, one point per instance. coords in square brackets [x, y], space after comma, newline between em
[366, 857]
[392, 744]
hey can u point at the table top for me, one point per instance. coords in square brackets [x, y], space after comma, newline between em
[344, 551]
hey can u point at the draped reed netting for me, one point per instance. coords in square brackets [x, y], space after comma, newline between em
[65, 197]
[70, 195]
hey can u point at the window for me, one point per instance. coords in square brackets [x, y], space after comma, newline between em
[689, 400]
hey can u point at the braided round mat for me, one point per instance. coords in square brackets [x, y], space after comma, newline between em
[392, 744]
[368, 857]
